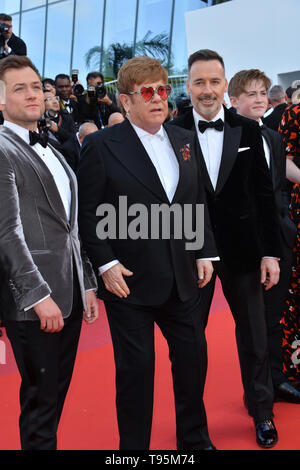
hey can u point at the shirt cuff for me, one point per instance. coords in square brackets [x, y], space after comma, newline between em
[217, 258]
[105, 267]
[36, 303]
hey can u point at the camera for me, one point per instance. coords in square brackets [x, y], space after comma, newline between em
[74, 76]
[94, 92]
[51, 114]
[4, 28]
[77, 88]
[44, 121]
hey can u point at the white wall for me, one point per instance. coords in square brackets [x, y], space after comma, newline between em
[261, 34]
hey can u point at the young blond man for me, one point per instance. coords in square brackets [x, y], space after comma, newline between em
[248, 92]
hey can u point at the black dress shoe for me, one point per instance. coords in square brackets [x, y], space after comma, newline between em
[287, 392]
[212, 447]
[266, 433]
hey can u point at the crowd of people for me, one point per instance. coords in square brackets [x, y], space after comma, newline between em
[242, 163]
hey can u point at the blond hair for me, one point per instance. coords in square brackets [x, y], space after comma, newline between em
[240, 80]
[140, 70]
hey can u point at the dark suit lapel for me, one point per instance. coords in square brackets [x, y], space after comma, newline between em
[178, 145]
[231, 143]
[129, 150]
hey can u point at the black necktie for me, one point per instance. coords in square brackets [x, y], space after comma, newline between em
[218, 125]
[41, 138]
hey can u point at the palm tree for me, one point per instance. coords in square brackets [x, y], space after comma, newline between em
[117, 54]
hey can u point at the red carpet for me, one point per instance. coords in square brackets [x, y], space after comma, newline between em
[89, 417]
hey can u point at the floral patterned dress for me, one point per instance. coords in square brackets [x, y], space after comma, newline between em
[290, 130]
[291, 315]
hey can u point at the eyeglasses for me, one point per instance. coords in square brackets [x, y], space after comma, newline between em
[51, 98]
[147, 92]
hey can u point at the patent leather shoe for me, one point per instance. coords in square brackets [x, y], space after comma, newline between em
[287, 392]
[266, 433]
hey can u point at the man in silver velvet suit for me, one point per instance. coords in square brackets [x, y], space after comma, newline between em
[46, 282]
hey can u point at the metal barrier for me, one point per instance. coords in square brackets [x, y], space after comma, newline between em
[178, 83]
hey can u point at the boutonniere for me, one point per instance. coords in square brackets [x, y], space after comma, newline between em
[186, 152]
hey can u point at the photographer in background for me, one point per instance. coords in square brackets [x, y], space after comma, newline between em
[67, 99]
[71, 148]
[96, 105]
[49, 84]
[183, 105]
[59, 124]
[9, 43]
[78, 89]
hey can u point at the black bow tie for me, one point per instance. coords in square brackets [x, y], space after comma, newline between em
[41, 138]
[218, 125]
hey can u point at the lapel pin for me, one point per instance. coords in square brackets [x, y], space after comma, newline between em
[186, 152]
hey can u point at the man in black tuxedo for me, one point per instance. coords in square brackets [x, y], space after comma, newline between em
[248, 91]
[97, 104]
[68, 101]
[9, 43]
[147, 272]
[245, 224]
[60, 124]
[71, 147]
[277, 98]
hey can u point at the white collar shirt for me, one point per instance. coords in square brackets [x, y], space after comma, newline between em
[163, 157]
[211, 143]
[67, 105]
[266, 146]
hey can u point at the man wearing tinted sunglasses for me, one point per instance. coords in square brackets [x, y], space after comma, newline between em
[147, 279]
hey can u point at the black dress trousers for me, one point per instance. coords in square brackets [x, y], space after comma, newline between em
[244, 295]
[45, 362]
[132, 330]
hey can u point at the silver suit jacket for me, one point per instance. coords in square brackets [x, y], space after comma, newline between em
[38, 244]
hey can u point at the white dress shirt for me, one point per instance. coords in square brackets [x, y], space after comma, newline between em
[55, 167]
[266, 146]
[67, 105]
[211, 143]
[161, 153]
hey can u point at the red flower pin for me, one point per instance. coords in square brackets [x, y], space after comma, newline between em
[186, 152]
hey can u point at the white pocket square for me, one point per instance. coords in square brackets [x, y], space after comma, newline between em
[241, 149]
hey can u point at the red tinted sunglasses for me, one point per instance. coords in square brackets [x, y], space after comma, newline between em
[147, 92]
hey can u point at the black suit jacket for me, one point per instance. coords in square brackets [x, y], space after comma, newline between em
[93, 112]
[278, 173]
[242, 208]
[71, 152]
[114, 163]
[273, 120]
[75, 112]
[17, 45]
[66, 127]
